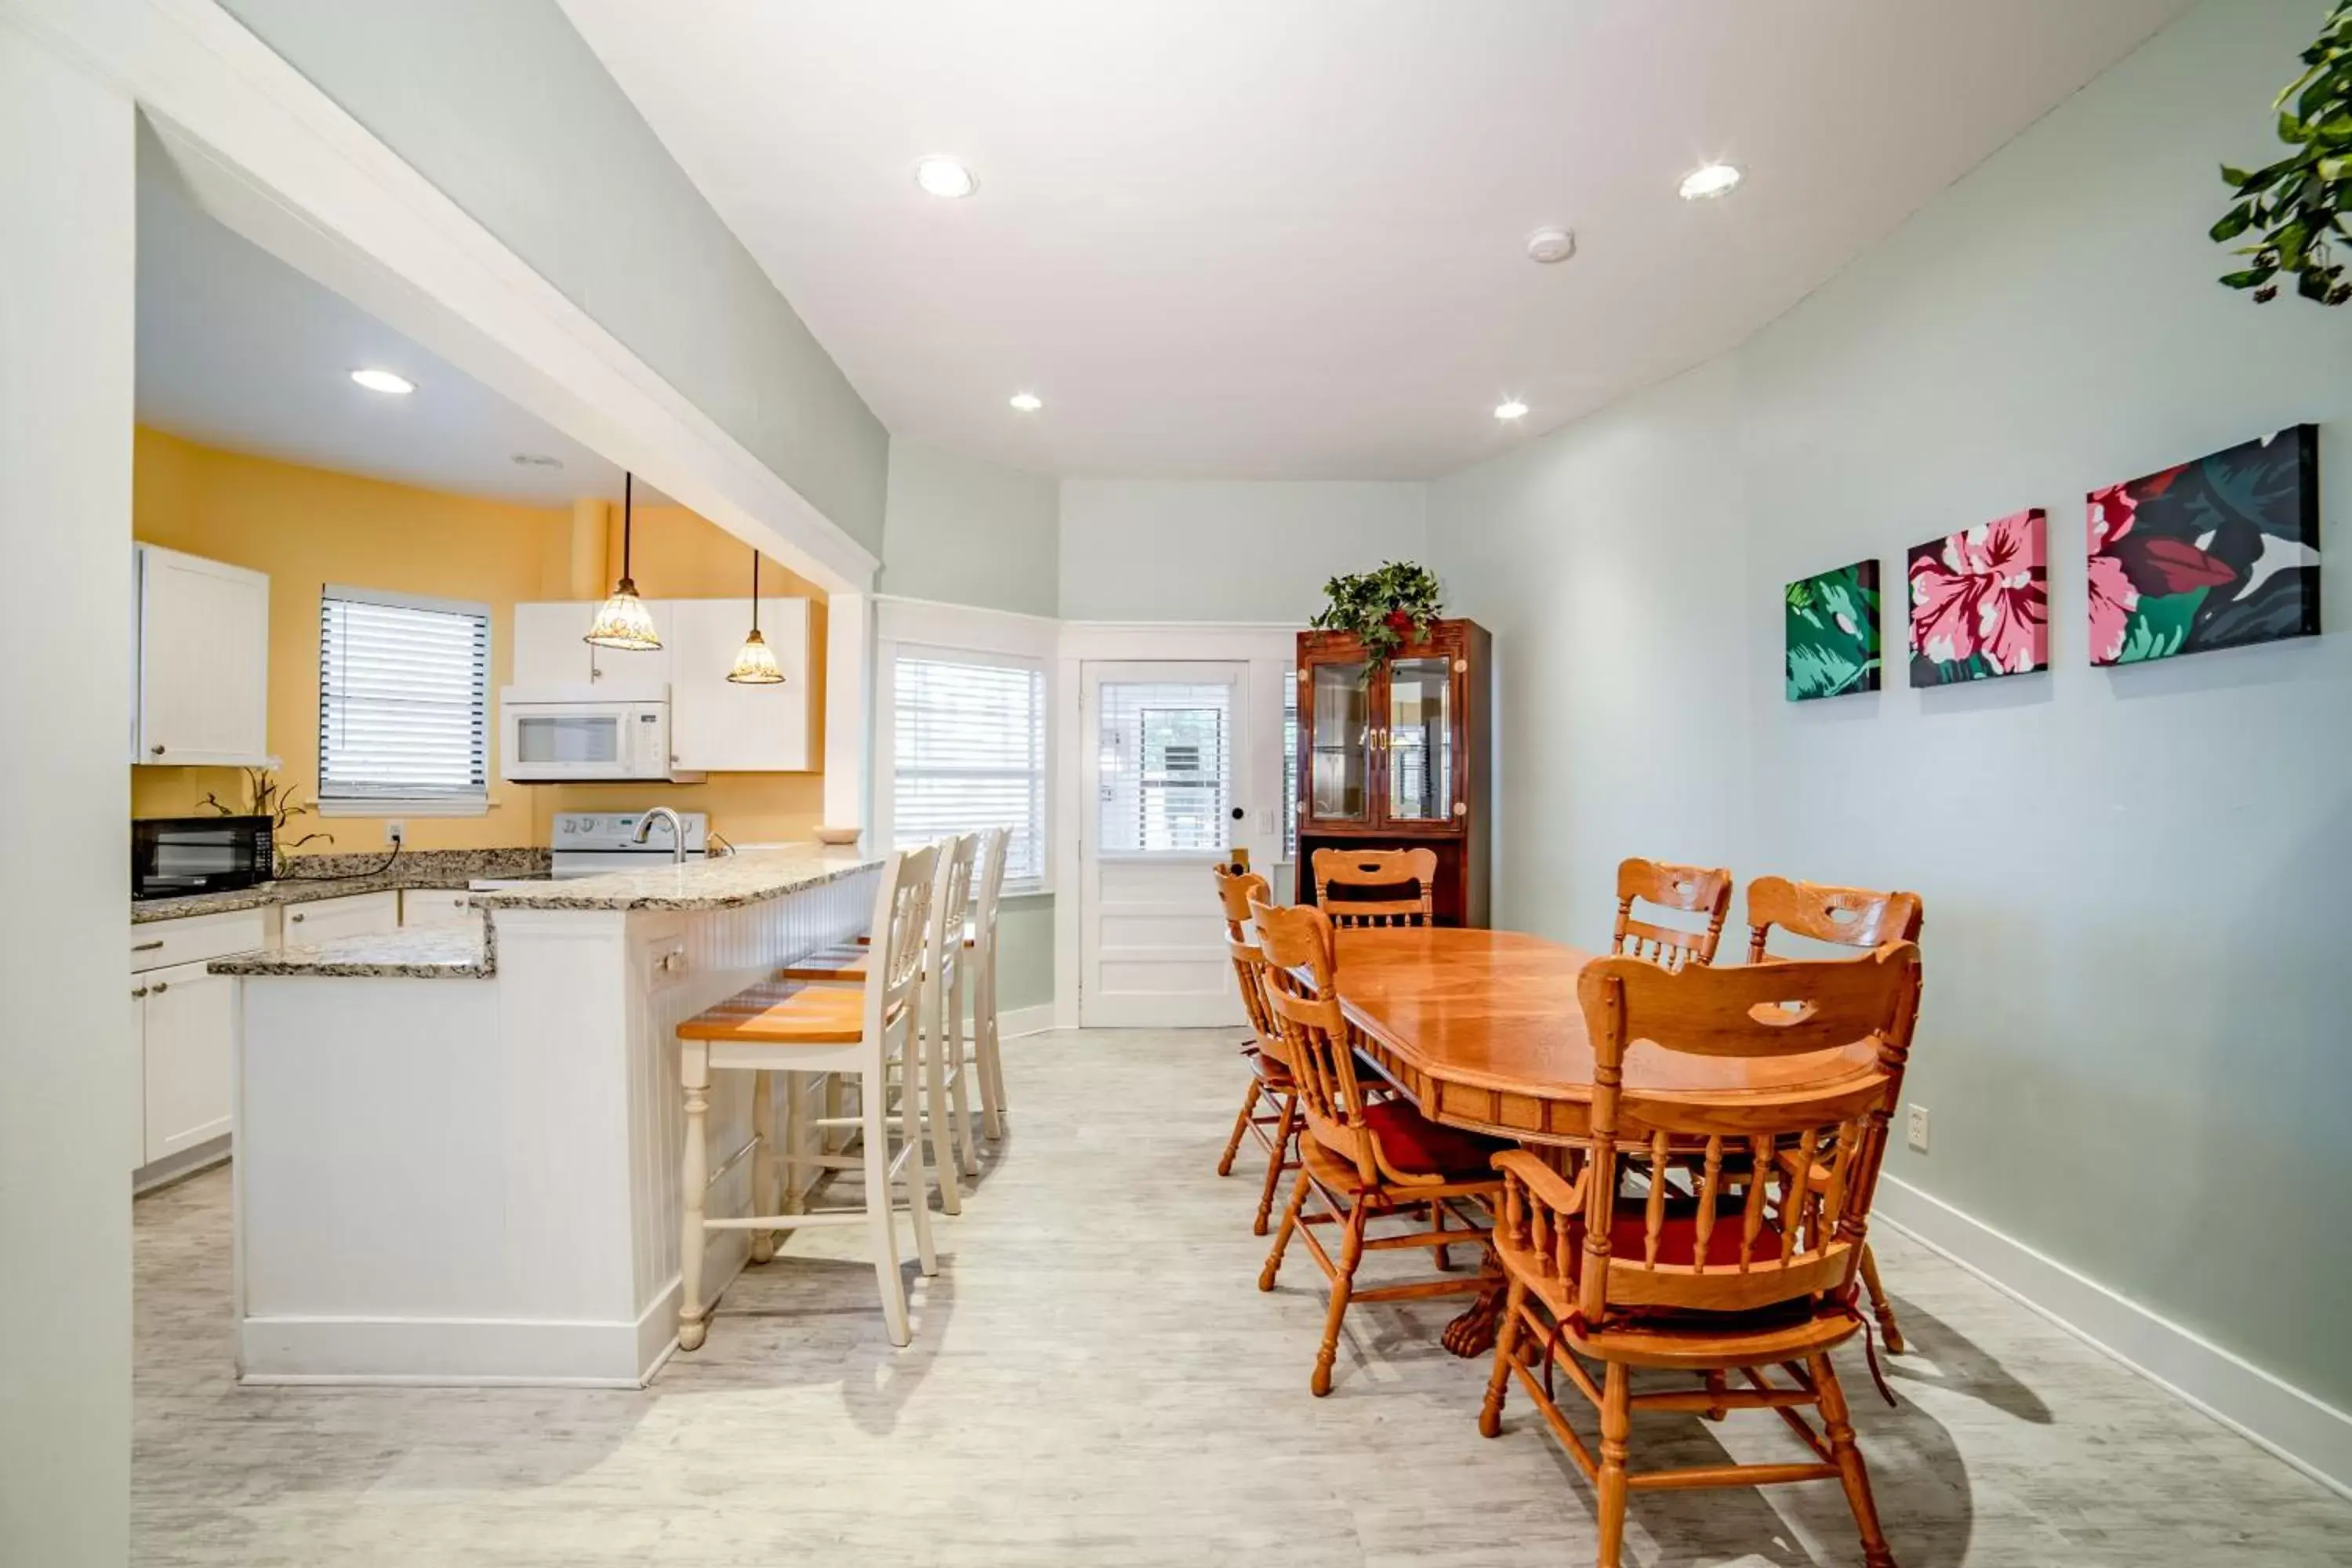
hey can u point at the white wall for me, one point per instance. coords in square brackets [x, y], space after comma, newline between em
[506, 109]
[2132, 1044]
[67, 1095]
[964, 532]
[1215, 550]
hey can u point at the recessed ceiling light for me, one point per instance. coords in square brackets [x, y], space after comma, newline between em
[384, 381]
[1709, 180]
[1027, 402]
[1550, 245]
[945, 177]
[1513, 409]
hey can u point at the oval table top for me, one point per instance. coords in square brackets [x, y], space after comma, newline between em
[1482, 1030]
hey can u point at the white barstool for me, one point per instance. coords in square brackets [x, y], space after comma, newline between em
[794, 1027]
[981, 948]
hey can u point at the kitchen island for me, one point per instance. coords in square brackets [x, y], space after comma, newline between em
[458, 1150]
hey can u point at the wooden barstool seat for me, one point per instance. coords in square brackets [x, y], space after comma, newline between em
[844, 965]
[783, 1011]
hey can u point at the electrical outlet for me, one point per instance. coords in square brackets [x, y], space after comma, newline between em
[395, 833]
[1915, 1132]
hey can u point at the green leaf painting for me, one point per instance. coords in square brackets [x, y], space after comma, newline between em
[1832, 625]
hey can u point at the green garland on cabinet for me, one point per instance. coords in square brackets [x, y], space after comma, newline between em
[1385, 609]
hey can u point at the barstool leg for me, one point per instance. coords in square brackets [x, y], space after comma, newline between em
[926, 1044]
[694, 1176]
[967, 1138]
[880, 1227]
[917, 1177]
[984, 1049]
[763, 1157]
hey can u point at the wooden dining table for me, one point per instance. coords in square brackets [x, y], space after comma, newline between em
[1481, 1030]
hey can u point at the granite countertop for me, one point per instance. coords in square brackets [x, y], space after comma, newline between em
[731, 881]
[413, 952]
[347, 876]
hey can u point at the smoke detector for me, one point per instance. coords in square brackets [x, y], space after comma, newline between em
[1551, 245]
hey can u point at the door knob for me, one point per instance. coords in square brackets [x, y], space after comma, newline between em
[1238, 814]
[157, 748]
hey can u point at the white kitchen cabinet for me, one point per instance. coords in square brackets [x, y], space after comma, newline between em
[716, 726]
[327, 920]
[437, 907]
[187, 1025]
[203, 662]
[550, 648]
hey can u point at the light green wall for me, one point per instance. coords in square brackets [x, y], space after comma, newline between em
[2132, 1043]
[965, 532]
[1024, 953]
[503, 106]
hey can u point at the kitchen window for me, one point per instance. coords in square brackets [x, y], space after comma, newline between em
[968, 752]
[404, 705]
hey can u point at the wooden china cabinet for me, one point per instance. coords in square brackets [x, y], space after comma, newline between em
[1393, 754]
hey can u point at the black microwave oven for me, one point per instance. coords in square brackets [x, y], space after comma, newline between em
[172, 857]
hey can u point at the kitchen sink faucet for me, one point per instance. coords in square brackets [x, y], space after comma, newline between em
[677, 831]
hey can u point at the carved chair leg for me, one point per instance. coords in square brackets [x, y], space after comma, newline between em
[1282, 1135]
[1616, 1423]
[1265, 1276]
[1879, 1303]
[1718, 1385]
[1498, 1382]
[1852, 1473]
[1444, 1258]
[1241, 1125]
[694, 1180]
[1352, 1252]
[763, 1160]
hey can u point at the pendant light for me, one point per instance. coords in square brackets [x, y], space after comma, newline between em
[623, 621]
[755, 664]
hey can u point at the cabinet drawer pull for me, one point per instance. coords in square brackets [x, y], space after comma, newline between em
[157, 748]
[1461, 808]
[296, 919]
[161, 987]
[146, 946]
[138, 993]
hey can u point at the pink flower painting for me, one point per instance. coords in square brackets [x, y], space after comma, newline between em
[1981, 601]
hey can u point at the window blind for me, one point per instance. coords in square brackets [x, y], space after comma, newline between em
[404, 700]
[1166, 766]
[969, 754]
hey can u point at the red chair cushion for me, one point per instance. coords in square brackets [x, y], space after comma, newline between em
[1415, 1144]
[1678, 1236]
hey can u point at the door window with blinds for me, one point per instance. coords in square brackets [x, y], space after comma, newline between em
[403, 704]
[1166, 778]
[968, 737]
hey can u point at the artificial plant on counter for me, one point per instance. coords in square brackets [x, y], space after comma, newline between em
[265, 797]
[2296, 205]
[1383, 608]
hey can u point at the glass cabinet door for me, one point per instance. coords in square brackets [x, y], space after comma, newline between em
[1420, 740]
[1339, 743]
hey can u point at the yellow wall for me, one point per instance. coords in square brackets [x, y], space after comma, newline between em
[307, 527]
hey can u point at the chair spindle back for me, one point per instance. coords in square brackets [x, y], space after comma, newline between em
[1694, 890]
[995, 849]
[1314, 1032]
[1781, 1193]
[1383, 868]
[1236, 891]
[1850, 917]
[901, 928]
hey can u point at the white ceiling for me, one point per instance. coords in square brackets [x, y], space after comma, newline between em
[237, 349]
[1246, 238]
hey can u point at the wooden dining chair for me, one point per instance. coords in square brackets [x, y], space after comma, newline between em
[1383, 871]
[1360, 1158]
[1850, 917]
[1270, 1107]
[1692, 890]
[1752, 1268]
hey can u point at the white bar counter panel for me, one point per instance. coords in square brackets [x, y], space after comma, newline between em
[458, 1156]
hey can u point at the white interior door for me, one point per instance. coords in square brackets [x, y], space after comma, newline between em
[1165, 758]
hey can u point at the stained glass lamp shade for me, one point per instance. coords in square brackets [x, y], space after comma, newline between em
[755, 662]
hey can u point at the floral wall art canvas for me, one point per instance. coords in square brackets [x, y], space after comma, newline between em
[1833, 633]
[2220, 552]
[1981, 601]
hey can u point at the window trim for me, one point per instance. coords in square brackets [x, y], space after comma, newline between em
[885, 739]
[465, 805]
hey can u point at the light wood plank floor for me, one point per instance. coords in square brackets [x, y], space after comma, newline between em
[1095, 1379]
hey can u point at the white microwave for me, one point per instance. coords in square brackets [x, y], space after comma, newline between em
[585, 734]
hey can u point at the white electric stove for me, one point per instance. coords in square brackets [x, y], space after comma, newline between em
[590, 843]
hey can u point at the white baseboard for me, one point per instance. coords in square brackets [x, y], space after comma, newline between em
[443, 1351]
[2307, 1433]
[1025, 1020]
